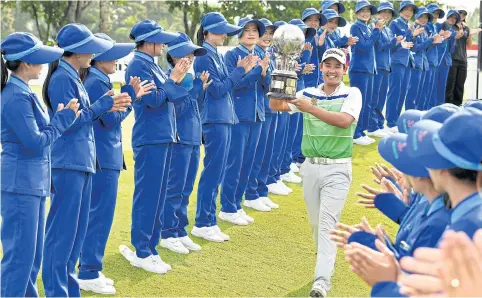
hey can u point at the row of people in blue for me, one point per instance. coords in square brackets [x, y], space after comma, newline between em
[436, 157]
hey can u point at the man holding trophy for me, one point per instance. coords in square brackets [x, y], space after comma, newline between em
[330, 113]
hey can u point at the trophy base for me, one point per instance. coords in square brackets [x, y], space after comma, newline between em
[283, 85]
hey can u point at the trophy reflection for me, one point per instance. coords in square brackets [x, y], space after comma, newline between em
[288, 42]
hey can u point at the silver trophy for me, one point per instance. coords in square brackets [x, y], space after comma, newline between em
[288, 42]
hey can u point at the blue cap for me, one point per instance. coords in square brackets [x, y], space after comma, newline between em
[364, 3]
[118, 51]
[150, 31]
[453, 12]
[279, 23]
[268, 24]
[216, 23]
[326, 4]
[423, 10]
[407, 3]
[28, 48]
[387, 6]
[313, 11]
[394, 150]
[433, 7]
[183, 46]
[243, 22]
[456, 143]
[77, 38]
[474, 103]
[331, 14]
[364, 238]
[309, 32]
[407, 119]
[440, 113]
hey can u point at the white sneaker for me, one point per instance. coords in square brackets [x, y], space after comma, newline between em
[377, 133]
[126, 252]
[294, 168]
[97, 285]
[233, 218]
[206, 233]
[361, 141]
[291, 177]
[370, 139]
[393, 129]
[244, 216]
[108, 281]
[277, 189]
[218, 232]
[269, 203]
[189, 244]
[388, 131]
[173, 244]
[149, 264]
[256, 205]
[162, 263]
[317, 290]
[284, 187]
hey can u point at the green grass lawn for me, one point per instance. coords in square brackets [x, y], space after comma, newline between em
[274, 256]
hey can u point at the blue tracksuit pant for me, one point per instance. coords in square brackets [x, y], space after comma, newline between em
[427, 89]
[217, 139]
[22, 235]
[65, 231]
[398, 81]
[101, 216]
[380, 89]
[279, 147]
[182, 175]
[290, 143]
[364, 82]
[261, 154]
[443, 73]
[415, 89]
[244, 140]
[151, 173]
[262, 181]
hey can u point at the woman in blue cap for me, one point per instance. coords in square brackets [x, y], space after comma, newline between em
[452, 18]
[314, 19]
[295, 125]
[73, 157]
[399, 78]
[383, 48]
[331, 7]
[153, 134]
[110, 161]
[428, 89]
[249, 109]
[218, 117]
[274, 184]
[27, 133]
[362, 66]
[185, 153]
[259, 173]
[422, 43]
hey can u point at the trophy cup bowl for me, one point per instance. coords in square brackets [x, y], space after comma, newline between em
[288, 42]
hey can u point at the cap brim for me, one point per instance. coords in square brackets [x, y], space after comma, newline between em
[441, 13]
[341, 7]
[341, 21]
[415, 8]
[339, 59]
[404, 123]
[119, 50]
[228, 29]
[261, 27]
[421, 146]
[373, 9]
[271, 27]
[402, 161]
[163, 37]
[186, 50]
[394, 13]
[94, 46]
[44, 55]
[430, 16]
